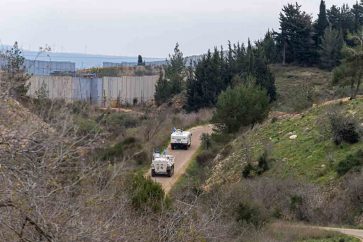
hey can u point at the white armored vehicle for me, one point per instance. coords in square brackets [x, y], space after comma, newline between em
[162, 164]
[181, 139]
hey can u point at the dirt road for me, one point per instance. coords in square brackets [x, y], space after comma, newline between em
[182, 158]
[357, 233]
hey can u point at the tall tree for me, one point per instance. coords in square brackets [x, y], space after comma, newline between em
[162, 90]
[296, 35]
[268, 48]
[321, 24]
[358, 16]
[351, 70]
[347, 20]
[330, 49]
[217, 71]
[175, 70]
[14, 77]
[140, 62]
[334, 17]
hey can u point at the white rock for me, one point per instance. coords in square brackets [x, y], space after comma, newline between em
[293, 137]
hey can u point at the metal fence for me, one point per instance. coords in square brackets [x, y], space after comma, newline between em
[106, 91]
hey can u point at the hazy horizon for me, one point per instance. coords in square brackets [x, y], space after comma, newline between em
[129, 28]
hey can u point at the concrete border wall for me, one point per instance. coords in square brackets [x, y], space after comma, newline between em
[105, 91]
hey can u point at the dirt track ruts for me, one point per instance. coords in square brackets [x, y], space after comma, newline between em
[182, 158]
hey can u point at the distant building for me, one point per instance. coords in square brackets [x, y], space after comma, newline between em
[112, 64]
[46, 68]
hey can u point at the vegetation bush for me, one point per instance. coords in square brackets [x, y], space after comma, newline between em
[351, 162]
[141, 157]
[118, 122]
[205, 157]
[129, 141]
[80, 107]
[303, 98]
[263, 164]
[248, 170]
[226, 150]
[248, 214]
[344, 128]
[128, 146]
[241, 106]
[112, 152]
[147, 194]
[86, 126]
[206, 141]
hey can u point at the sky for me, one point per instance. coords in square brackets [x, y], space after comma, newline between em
[147, 27]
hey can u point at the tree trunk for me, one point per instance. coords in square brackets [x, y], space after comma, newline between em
[352, 88]
[284, 54]
[359, 81]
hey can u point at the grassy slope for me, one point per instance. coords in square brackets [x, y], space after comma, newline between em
[299, 87]
[312, 155]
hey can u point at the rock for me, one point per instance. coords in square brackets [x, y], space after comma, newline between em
[293, 137]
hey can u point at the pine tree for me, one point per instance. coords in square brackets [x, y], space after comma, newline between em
[347, 21]
[265, 78]
[296, 35]
[269, 49]
[330, 49]
[217, 71]
[358, 16]
[334, 17]
[175, 71]
[241, 106]
[139, 61]
[14, 74]
[162, 90]
[351, 70]
[321, 24]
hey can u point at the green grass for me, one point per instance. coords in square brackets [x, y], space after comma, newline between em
[299, 87]
[311, 156]
[191, 174]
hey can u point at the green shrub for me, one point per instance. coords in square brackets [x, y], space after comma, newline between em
[351, 162]
[80, 107]
[129, 141]
[226, 151]
[241, 106]
[110, 153]
[248, 214]
[87, 126]
[205, 158]
[141, 157]
[263, 164]
[206, 141]
[118, 121]
[344, 128]
[295, 202]
[147, 195]
[120, 149]
[248, 170]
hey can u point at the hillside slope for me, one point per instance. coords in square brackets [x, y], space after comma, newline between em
[311, 156]
[298, 88]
